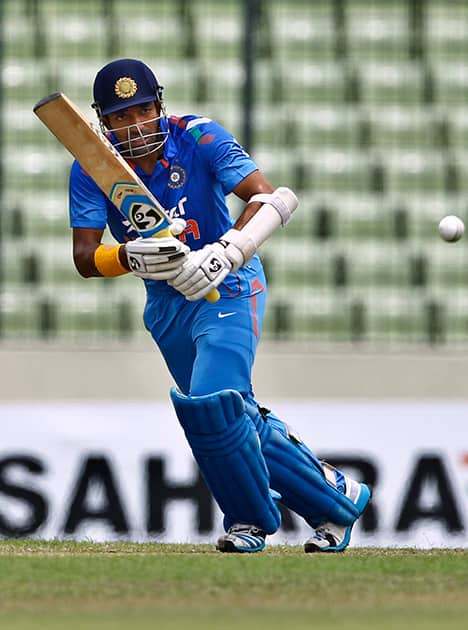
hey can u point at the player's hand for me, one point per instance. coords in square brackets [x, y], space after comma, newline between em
[156, 258]
[203, 270]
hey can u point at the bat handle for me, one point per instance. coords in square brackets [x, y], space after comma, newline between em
[212, 296]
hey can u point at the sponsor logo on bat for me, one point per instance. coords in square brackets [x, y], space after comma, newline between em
[140, 211]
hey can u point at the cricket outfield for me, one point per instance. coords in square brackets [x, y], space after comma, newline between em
[126, 585]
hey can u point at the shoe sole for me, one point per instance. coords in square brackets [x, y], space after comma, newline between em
[363, 501]
[226, 546]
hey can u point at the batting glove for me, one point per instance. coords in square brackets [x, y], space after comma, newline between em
[156, 258]
[203, 271]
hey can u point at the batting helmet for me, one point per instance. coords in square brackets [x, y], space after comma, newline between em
[123, 83]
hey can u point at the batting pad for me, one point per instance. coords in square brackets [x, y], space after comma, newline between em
[314, 490]
[226, 446]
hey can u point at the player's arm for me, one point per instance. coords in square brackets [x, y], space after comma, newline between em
[150, 258]
[94, 259]
[266, 210]
[253, 184]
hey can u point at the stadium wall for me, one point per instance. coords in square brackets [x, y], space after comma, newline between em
[91, 448]
[281, 371]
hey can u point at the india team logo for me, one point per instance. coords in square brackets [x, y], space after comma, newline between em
[125, 87]
[177, 177]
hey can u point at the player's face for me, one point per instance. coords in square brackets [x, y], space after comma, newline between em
[137, 129]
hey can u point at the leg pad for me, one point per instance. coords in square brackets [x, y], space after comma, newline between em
[311, 488]
[226, 446]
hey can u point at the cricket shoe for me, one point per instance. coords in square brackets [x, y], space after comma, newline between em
[242, 539]
[332, 537]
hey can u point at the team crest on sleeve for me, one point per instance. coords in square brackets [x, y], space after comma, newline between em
[177, 177]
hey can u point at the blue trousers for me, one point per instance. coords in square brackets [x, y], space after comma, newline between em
[210, 348]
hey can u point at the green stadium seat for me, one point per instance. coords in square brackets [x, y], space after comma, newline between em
[378, 318]
[102, 315]
[362, 217]
[455, 314]
[450, 83]
[310, 82]
[40, 260]
[219, 31]
[19, 312]
[317, 127]
[49, 160]
[425, 210]
[367, 124]
[299, 33]
[446, 30]
[73, 311]
[391, 83]
[398, 127]
[26, 81]
[398, 317]
[338, 171]
[23, 127]
[458, 127]
[377, 30]
[371, 263]
[413, 171]
[41, 214]
[449, 265]
[318, 315]
[458, 160]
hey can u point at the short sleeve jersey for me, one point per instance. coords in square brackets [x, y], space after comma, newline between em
[202, 163]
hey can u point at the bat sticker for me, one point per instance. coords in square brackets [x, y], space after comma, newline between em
[137, 207]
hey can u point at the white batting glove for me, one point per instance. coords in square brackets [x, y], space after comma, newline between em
[156, 258]
[203, 271]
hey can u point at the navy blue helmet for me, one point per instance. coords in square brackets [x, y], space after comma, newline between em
[123, 83]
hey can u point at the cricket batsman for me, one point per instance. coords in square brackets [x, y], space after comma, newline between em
[249, 457]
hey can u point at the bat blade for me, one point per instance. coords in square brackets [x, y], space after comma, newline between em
[104, 164]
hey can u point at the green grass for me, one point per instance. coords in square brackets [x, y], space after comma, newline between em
[125, 585]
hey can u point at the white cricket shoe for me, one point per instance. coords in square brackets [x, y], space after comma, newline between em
[242, 539]
[332, 537]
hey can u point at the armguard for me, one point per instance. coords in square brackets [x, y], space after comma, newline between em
[276, 211]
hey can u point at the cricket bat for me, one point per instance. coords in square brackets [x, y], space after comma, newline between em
[104, 164]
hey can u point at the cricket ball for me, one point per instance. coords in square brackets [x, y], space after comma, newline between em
[451, 228]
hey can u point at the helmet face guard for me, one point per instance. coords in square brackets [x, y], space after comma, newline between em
[125, 83]
[138, 140]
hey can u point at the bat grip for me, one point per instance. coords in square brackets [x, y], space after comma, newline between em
[213, 295]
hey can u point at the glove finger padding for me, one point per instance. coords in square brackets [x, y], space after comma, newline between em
[160, 274]
[156, 258]
[203, 270]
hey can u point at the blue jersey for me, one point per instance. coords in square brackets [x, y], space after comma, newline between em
[202, 163]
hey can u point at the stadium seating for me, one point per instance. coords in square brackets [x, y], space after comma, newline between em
[378, 31]
[358, 105]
